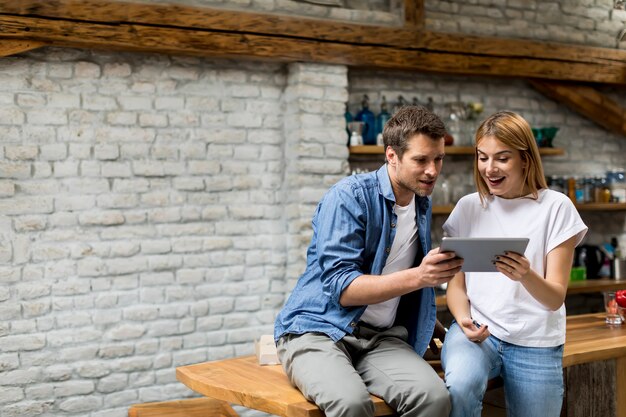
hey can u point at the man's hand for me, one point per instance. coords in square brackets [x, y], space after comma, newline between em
[438, 268]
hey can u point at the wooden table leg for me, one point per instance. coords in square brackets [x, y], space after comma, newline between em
[591, 390]
[620, 386]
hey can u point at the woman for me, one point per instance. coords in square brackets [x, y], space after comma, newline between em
[511, 323]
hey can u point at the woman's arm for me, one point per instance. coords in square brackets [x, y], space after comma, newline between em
[551, 290]
[459, 306]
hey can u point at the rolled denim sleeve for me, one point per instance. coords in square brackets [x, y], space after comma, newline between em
[341, 235]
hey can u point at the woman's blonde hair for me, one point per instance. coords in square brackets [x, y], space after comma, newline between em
[513, 131]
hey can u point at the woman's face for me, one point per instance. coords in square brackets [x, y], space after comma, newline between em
[501, 167]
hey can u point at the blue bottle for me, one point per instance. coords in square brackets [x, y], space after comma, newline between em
[349, 118]
[367, 117]
[382, 117]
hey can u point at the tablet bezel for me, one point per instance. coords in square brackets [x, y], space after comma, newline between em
[479, 252]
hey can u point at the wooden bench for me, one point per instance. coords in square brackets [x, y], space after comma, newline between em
[192, 407]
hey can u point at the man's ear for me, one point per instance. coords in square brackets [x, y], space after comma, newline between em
[391, 156]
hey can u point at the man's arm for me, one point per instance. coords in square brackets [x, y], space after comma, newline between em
[436, 269]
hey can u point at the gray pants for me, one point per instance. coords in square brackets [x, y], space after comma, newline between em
[339, 377]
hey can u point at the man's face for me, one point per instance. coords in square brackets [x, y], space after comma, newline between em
[417, 171]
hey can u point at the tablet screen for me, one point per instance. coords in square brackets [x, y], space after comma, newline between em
[479, 253]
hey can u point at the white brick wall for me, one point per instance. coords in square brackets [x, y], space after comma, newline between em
[146, 222]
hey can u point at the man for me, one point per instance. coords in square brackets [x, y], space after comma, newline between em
[362, 314]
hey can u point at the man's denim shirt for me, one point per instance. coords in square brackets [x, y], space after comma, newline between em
[353, 228]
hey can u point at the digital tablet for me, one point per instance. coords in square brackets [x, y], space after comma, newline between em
[479, 253]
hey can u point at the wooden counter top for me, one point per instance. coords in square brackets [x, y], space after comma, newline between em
[588, 338]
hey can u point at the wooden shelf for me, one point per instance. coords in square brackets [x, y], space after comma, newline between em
[450, 150]
[601, 207]
[443, 209]
[595, 285]
[574, 287]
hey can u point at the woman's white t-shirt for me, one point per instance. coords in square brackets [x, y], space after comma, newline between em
[512, 314]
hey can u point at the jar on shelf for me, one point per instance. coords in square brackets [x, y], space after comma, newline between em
[617, 184]
[602, 192]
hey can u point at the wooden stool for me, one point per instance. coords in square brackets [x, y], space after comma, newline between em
[192, 407]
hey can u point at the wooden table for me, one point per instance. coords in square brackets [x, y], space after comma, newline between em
[589, 342]
[594, 359]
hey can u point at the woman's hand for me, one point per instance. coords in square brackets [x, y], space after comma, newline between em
[513, 265]
[473, 330]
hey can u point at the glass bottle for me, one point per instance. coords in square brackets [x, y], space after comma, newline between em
[580, 189]
[571, 189]
[618, 187]
[382, 117]
[367, 117]
[349, 118]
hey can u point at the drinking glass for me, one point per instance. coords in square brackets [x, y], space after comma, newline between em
[612, 312]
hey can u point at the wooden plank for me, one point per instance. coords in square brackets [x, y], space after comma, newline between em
[586, 101]
[620, 386]
[193, 17]
[589, 338]
[181, 16]
[12, 47]
[237, 381]
[192, 407]
[587, 390]
[601, 207]
[595, 285]
[482, 45]
[162, 28]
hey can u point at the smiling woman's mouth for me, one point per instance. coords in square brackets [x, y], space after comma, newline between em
[495, 181]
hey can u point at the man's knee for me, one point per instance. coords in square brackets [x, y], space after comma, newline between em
[350, 404]
[432, 400]
[437, 399]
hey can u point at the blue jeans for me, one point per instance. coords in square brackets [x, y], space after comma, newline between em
[533, 377]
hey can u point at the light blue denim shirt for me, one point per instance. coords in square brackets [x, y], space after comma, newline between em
[353, 229]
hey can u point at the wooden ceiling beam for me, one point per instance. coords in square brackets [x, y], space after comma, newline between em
[586, 101]
[210, 43]
[189, 17]
[12, 47]
[161, 28]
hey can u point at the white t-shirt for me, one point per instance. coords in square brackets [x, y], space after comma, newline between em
[512, 314]
[401, 256]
